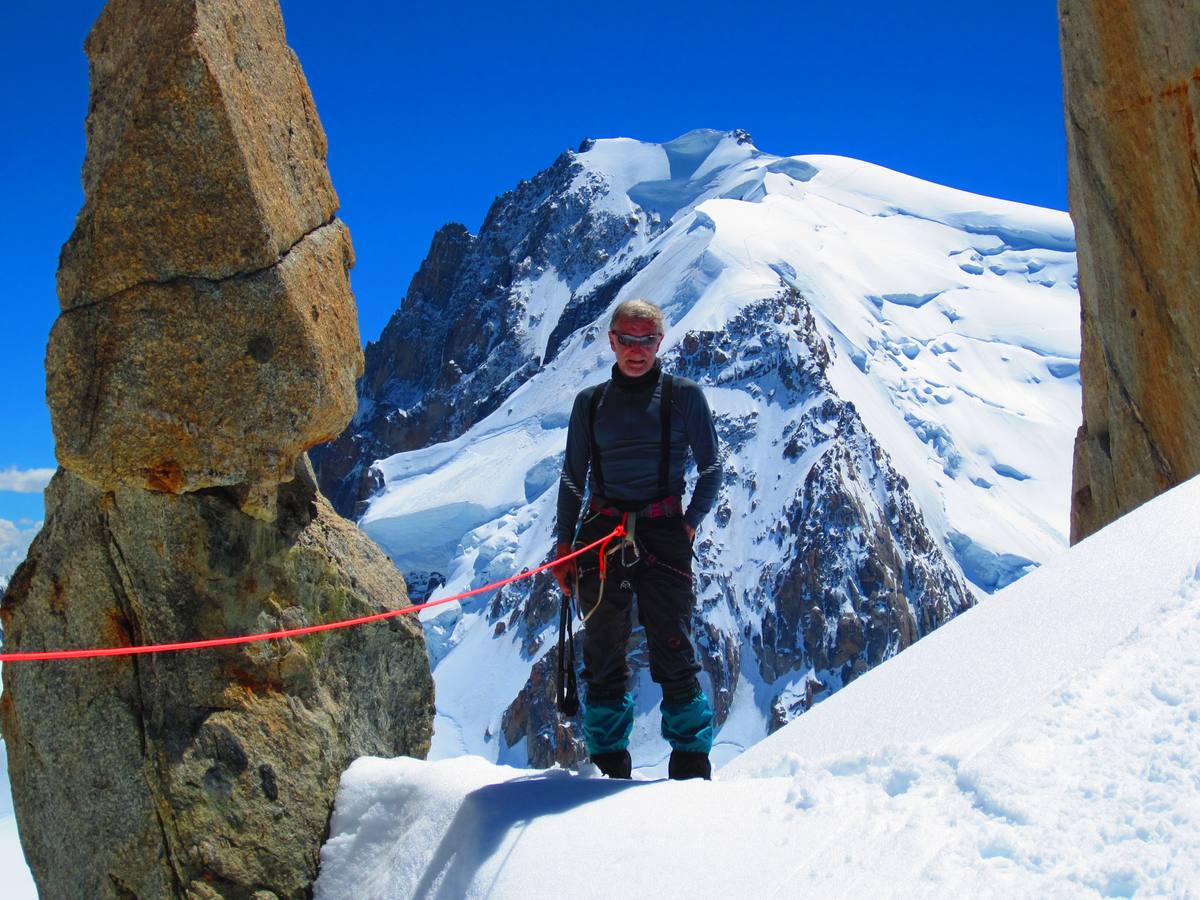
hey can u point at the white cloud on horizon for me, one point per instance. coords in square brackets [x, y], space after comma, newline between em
[25, 481]
[14, 544]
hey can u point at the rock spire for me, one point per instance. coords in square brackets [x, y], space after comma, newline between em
[1131, 78]
[208, 334]
[207, 338]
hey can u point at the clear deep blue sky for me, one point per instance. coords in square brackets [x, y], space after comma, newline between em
[433, 110]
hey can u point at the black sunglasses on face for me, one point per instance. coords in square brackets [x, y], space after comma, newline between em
[636, 340]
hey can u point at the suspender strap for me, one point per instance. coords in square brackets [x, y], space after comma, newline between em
[664, 459]
[597, 472]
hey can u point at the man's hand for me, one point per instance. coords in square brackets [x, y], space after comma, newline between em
[564, 572]
[691, 532]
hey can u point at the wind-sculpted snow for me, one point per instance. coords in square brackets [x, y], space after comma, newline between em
[890, 367]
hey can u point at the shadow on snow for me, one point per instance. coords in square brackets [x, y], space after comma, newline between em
[487, 816]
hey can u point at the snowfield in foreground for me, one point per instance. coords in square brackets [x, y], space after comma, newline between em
[1045, 743]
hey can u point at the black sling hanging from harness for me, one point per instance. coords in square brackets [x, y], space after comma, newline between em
[566, 687]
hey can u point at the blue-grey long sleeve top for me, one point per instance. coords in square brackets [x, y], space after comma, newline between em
[629, 438]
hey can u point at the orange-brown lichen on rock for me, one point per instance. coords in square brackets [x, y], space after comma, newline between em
[205, 155]
[166, 476]
[193, 384]
[1132, 93]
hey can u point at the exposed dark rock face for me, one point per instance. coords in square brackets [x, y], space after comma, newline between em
[551, 739]
[527, 608]
[207, 338]
[859, 577]
[462, 341]
[855, 576]
[853, 610]
[1131, 78]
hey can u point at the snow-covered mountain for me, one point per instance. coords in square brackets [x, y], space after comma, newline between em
[1043, 744]
[893, 367]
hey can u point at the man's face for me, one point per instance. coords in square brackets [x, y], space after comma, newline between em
[637, 359]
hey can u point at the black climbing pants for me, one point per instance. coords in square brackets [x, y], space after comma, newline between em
[661, 578]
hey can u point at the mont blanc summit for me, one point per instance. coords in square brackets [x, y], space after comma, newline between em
[893, 367]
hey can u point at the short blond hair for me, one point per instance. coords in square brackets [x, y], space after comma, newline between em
[637, 310]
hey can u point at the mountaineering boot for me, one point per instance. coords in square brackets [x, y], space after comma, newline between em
[686, 764]
[614, 764]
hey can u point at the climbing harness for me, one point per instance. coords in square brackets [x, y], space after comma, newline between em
[664, 444]
[628, 526]
[666, 384]
[626, 530]
[654, 561]
[598, 396]
[666, 505]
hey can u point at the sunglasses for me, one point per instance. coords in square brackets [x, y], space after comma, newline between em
[636, 340]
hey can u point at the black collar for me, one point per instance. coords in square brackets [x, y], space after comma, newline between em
[641, 382]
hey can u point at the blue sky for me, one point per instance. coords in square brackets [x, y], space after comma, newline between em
[433, 111]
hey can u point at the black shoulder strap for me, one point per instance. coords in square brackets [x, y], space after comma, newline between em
[597, 473]
[664, 459]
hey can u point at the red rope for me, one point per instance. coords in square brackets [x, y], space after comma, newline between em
[616, 532]
[294, 632]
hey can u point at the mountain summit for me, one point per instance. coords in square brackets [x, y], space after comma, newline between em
[893, 370]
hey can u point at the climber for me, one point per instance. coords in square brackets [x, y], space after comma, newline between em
[635, 431]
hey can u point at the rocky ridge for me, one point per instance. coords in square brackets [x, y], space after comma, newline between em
[204, 773]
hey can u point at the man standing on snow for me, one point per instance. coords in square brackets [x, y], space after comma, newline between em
[635, 432]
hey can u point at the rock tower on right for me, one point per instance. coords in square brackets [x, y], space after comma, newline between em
[1131, 84]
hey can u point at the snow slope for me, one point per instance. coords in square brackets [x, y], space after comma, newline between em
[1045, 743]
